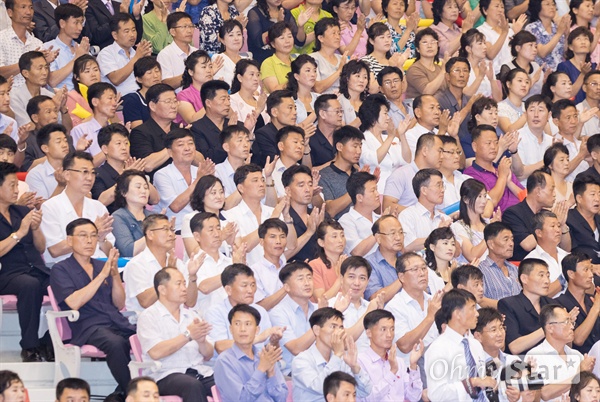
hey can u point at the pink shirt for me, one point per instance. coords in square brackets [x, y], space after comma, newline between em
[191, 95]
[348, 34]
[323, 277]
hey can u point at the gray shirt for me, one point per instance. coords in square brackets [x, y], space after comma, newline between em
[333, 181]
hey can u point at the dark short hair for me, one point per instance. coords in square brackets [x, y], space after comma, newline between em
[519, 39]
[388, 70]
[65, 11]
[288, 175]
[351, 68]
[244, 308]
[33, 105]
[79, 66]
[332, 382]
[535, 180]
[492, 230]
[243, 171]
[210, 88]
[373, 317]
[202, 186]
[95, 91]
[271, 223]
[356, 184]
[538, 99]
[232, 271]
[7, 168]
[196, 57]
[346, 133]
[593, 142]
[151, 220]
[547, 314]
[585, 377]
[581, 183]
[322, 315]
[7, 378]
[161, 277]
[540, 218]
[145, 64]
[321, 27]
[290, 268]
[71, 226]
[375, 228]
[106, 133]
[569, 263]
[419, 37]
[119, 18]
[558, 147]
[276, 98]
[42, 137]
[453, 60]
[122, 186]
[6, 142]
[133, 385]
[463, 274]
[477, 131]
[527, 266]
[176, 134]
[355, 262]
[174, 18]
[486, 316]
[276, 30]
[197, 221]
[155, 91]
[286, 131]
[229, 131]
[427, 140]
[69, 160]
[422, 179]
[403, 260]
[27, 58]
[322, 102]
[454, 299]
[369, 110]
[560, 105]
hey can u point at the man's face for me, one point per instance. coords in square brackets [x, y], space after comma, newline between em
[292, 146]
[22, 12]
[285, 112]
[333, 113]
[183, 150]
[300, 284]
[238, 146]
[350, 151]
[4, 98]
[592, 87]
[370, 198]
[589, 201]
[81, 395]
[84, 240]
[7, 155]
[415, 277]
[150, 77]
[538, 280]
[583, 276]
[147, 391]
[301, 188]
[175, 289]
[126, 34]
[58, 146]
[161, 234]
[546, 195]
[325, 332]
[72, 27]
[428, 114]
[209, 238]
[503, 245]
[117, 148]
[468, 314]
[220, 104]
[451, 157]
[354, 282]
[382, 334]
[392, 86]
[391, 235]
[183, 31]
[537, 116]
[81, 175]
[434, 191]
[9, 190]
[475, 286]
[562, 327]
[568, 121]
[346, 393]
[486, 146]
[551, 231]
[166, 107]
[47, 114]
[492, 336]
[459, 75]
[242, 289]
[243, 328]
[434, 154]
[106, 104]
[253, 187]
[274, 242]
[38, 73]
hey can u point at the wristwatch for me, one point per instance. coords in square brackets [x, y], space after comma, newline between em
[188, 335]
[15, 237]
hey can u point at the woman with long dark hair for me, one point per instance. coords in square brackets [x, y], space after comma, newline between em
[379, 53]
[481, 76]
[440, 247]
[243, 99]
[556, 164]
[329, 258]
[354, 89]
[198, 70]
[301, 81]
[426, 76]
[86, 72]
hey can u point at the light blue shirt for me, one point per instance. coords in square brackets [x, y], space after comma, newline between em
[91, 128]
[383, 274]
[310, 370]
[113, 58]
[5, 121]
[238, 379]
[290, 315]
[64, 57]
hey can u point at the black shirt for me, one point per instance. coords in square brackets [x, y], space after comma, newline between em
[567, 300]
[148, 139]
[33, 150]
[135, 107]
[309, 251]
[106, 178]
[520, 219]
[321, 151]
[582, 235]
[206, 135]
[23, 257]
[265, 144]
[591, 172]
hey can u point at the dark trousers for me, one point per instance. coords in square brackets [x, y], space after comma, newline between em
[188, 387]
[115, 344]
[30, 289]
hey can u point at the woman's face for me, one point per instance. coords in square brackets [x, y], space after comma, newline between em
[585, 11]
[478, 49]
[488, 116]
[548, 9]
[214, 198]
[331, 38]
[444, 249]
[334, 241]
[428, 47]
[345, 11]
[90, 74]
[580, 45]
[560, 164]
[138, 191]
[520, 85]
[285, 42]
[396, 9]
[450, 11]
[383, 119]
[563, 89]
[358, 82]
[203, 71]
[314, 3]
[251, 78]
[307, 76]
[382, 43]
[274, 3]
[589, 393]
[480, 202]
[233, 40]
[528, 51]
[495, 11]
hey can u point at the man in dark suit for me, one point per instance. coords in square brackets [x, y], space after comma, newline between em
[97, 20]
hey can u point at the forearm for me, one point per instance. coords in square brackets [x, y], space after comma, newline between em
[497, 191]
[271, 301]
[408, 341]
[270, 194]
[565, 241]
[59, 189]
[211, 284]
[585, 328]
[554, 289]
[574, 163]
[545, 50]
[118, 292]
[173, 82]
[434, 85]
[578, 83]
[334, 207]
[494, 49]
[107, 197]
[299, 345]
[168, 347]
[321, 86]
[416, 245]
[474, 87]
[526, 342]
[223, 345]
[7, 71]
[331, 292]
[235, 198]
[80, 297]
[57, 76]
[60, 249]
[364, 246]
[99, 159]
[300, 243]
[390, 291]
[384, 148]
[516, 11]
[39, 240]
[351, 47]
[119, 76]
[192, 292]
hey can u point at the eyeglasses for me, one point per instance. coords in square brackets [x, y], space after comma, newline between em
[86, 236]
[456, 152]
[170, 102]
[428, 43]
[593, 84]
[167, 228]
[461, 70]
[393, 233]
[418, 269]
[388, 83]
[185, 26]
[566, 322]
[85, 173]
[496, 330]
[336, 111]
[440, 186]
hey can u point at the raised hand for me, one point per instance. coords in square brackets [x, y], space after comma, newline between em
[24, 131]
[338, 338]
[199, 329]
[229, 233]
[444, 121]
[412, 23]
[144, 48]
[435, 303]
[205, 168]
[104, 226]
[519, 23]
[270, 166]
[217, 64]
[251, 119]
[496, 216]
[276, 335]
[392, 359]
[268, 357]
[351, 355]
[242, 19]
[172, 258]
[83, 47]
[195, 263]
[36, 219]
[469, 21]
[137, 8]
[83, 143]
[342, 302]
[182, 6]
[238, 255]
[135, 164]
[561, 210]
[309, 129]
[304, 16]
[9, 129]
[416, 353]
[504, 167]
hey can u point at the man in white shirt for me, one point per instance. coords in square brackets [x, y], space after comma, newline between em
[116, 61]
[8, 125]
[138, 273]
[548, 233]
[178, 339]
[290, 142]
[73, 203]
[591, 87]
[172, 58]
[176, 181]
[427, 112]
[339, 387]
[556, 362]
[457, 349]
[419, 220]
[273, 239]
[413, 309]
[47, 179]
[398, 187]
[453, 178]
[334, 350]
[566, 118]
[357, 222]
[250, 212]
[103, 100]
[235, 140]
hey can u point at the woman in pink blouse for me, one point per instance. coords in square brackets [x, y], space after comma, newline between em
[198, 70]
[326, 267]
[85, 73]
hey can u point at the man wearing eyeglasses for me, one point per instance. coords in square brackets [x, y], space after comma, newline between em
[452, 177]
[328, 110]
[79, 175]
[591, 87]
[391, 83]
[159, 253]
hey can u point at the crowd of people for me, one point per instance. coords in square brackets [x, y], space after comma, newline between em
[377, 200]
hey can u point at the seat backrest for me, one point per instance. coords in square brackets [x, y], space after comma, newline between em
[179, 247]
[215, 394]
[290, 396]
[136, 347]
[64, 330]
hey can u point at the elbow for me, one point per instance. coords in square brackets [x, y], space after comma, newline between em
[54, 252]
[403, 346]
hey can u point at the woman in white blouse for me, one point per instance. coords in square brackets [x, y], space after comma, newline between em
[481, 77]
[301, 80]
[384, 145]
[511, 111]
[244, 99]
[231, 36]
[329, 61]
[354, 86]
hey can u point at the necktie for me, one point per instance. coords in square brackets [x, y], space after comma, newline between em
[110, 7]
[472, 366]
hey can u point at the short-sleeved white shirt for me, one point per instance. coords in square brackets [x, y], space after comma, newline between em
[417, 222]
[392, 160]
[356, 229]
[113, 58]
[170, 183]
[11, 49]
[172, 60]
[41, 180]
